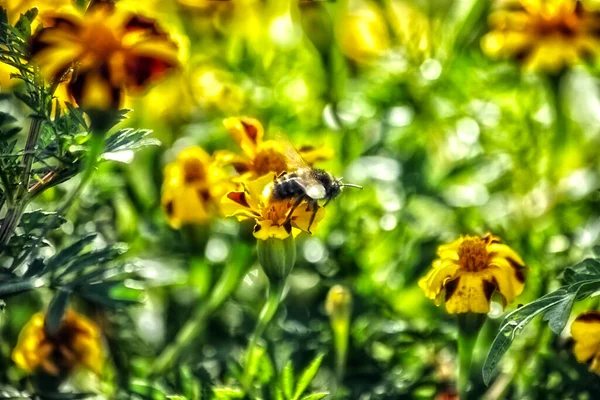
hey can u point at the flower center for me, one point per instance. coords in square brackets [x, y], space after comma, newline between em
[276, 212]
[472, 254]
[100, 40]
[269, 160]
[562, 25]
[193, 170]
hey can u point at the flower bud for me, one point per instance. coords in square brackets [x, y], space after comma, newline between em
[339, 302]
[277, 257]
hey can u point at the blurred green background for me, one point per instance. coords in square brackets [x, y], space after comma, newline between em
[445, 142]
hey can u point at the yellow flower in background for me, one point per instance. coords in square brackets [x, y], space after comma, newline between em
[470, 270]
[193, 187]
[544, 35]
[76, 343]
[362, 31]
[14, 9]
[214, 88]
[111, 50]
[255, 202]
[585, 331]
[261, 157]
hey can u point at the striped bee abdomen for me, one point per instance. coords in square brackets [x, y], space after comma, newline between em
[287, 187]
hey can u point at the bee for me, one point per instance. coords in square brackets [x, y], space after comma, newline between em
[305, 183]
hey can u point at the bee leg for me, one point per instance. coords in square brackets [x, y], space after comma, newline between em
[315, 207]
[291, 212]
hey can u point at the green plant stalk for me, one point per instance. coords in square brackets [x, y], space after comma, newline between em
[341, 330]
[91, 160]
[18, 204]
[469, 325]
[227, 283]
[275, 293]
[560, 138]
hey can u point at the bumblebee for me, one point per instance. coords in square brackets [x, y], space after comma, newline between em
[305, 183]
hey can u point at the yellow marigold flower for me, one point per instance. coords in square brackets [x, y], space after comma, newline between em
[255, 202]
[468, 272]
[14, 9]
[261, 156]
[193, 187]
[545, 35]
[363, 32]
[76, 343]
[112, 50]
[585, 331]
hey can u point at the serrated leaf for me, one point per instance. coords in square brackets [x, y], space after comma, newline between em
[16, 287]
[315, 396]
[96, 257]
[129, 139]
[307, 376]
[56, 310]
[287, 380]
[66, 254]
[556, 306]
[6, 119]
[228, 393]
[36, 268]
[558, 315]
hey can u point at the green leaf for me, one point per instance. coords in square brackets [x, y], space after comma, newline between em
[582, 281]
[93, 258]
[287, 380]
[315, 396]
[56, 310]
[20, 286]
[307, 376]
[228, 393]
[129, 139]
[6, 119]
[65, 255]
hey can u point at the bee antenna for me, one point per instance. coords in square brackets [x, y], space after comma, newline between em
[352, 185]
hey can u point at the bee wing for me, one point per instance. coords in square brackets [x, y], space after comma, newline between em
[306, 179]
[294, 159]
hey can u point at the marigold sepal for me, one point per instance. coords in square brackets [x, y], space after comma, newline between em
[276, 257]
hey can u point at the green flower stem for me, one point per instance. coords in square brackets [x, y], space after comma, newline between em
[341, 330]
[94, 153]
[469, 325]
[560, 138]
[274, 296]
[18, 204]
[227, 283]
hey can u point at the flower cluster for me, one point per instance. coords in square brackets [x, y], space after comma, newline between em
[198, 187]
[77, 342]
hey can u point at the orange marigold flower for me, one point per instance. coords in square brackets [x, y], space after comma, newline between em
[110, 49]
[470, 270]
[255, 202]
[261, 157]
[193, 187]
[585, 331]
[545, 35]
[77, 342]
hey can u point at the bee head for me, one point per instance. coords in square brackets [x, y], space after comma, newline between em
[333, 186]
